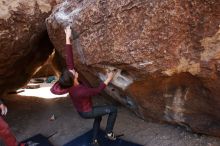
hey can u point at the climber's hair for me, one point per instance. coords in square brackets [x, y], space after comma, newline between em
[66, 79]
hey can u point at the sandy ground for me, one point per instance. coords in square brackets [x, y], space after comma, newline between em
[29, 115]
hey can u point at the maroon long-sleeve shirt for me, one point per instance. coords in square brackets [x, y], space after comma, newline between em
[80, 94]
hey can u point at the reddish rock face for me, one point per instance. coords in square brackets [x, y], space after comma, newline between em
[167, 53]
[24, 43]
[46, 70]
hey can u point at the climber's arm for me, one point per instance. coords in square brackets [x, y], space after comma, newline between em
[69, 50]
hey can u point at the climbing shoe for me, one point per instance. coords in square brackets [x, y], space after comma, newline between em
[95, 143]
[111, 136]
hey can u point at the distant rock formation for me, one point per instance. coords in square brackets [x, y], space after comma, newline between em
[24, 42]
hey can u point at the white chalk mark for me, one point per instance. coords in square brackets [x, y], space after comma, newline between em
[61, 15]
[121, 81]
[146, 63]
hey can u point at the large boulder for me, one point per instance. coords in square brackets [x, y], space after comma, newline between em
[45, 70]
[166, 52]
[24, 42]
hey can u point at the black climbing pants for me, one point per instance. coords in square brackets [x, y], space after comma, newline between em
[97, 113]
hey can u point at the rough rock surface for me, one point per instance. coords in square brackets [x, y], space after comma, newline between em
[167, 53]
[46, 70]
[24, 42]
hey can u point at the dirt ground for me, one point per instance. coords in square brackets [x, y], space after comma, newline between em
[29, 115]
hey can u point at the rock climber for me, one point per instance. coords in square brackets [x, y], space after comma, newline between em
[81, 94]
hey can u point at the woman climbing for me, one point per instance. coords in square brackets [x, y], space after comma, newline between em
[81, 95]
